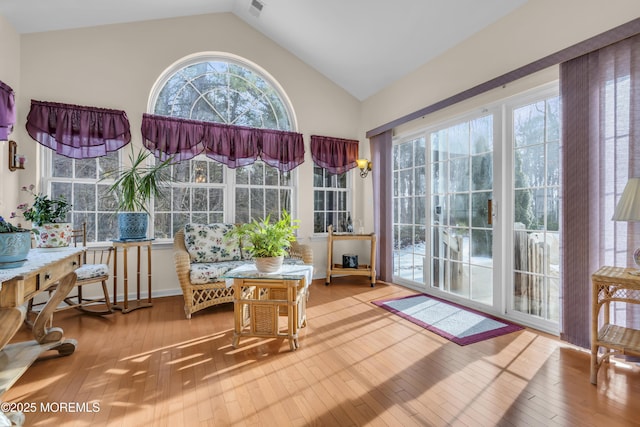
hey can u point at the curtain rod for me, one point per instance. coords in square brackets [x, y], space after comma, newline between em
[594, 43]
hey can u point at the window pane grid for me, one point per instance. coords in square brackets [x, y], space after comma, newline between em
[78, 180]
[409, 200]
[330, 201]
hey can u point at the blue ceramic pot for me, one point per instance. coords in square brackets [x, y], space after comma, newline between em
[133, 225]
[14, 248]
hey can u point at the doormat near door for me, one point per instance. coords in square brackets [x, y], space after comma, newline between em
[454, 322]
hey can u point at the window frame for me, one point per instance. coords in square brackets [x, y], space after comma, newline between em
[47, 180]
[348, 190]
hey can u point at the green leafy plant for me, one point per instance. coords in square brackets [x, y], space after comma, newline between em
[134, 185]
[266, 239]
[7, 227]
[44, 209]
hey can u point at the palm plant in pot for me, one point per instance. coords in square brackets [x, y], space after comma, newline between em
[133, 187]
[15, 243]
[48, 217]
[266, 241]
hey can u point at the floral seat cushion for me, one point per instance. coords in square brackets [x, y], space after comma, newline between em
[207, 243]
[209, 272]
[90, 271]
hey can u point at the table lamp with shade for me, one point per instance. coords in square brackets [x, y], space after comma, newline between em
[628, 209]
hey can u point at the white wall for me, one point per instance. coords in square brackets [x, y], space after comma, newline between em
[9, 74]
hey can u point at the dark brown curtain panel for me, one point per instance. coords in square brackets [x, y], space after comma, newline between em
[601, 151]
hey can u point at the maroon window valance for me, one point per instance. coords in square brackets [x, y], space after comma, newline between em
[233, 146]
[77, 131]
[336, 155]
[7, 110]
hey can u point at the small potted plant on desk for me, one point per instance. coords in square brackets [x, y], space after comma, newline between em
[15, 243]
[133, 187]
[48, 217]
[267, 242]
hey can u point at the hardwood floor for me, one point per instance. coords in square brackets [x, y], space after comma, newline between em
[357, 365]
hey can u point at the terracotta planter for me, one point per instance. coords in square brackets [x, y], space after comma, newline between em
[53, 235]
[269, 264]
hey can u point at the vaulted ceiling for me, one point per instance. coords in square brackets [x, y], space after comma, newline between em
[361, 45]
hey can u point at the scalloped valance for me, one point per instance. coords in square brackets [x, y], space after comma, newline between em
[233, 146]
[336, 155]
[7, 111]
[75, 131]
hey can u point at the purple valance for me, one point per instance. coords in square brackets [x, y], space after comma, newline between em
[234, 146]
[282, 150]
[77, 131]
[7, 111]
[336, 155]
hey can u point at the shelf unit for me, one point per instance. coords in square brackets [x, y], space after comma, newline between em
[363, 269]
[612, 284]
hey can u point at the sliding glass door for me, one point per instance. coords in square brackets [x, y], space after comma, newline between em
[476, 209]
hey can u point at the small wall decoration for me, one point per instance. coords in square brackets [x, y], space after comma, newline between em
[16, 161]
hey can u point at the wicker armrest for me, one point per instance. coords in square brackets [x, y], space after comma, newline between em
[300, 251]
[181, 259]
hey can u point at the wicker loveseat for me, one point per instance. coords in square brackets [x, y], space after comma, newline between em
[202, 255]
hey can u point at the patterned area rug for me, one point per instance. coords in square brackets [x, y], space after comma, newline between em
[454, 322]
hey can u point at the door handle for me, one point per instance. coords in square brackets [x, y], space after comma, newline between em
[490, 212]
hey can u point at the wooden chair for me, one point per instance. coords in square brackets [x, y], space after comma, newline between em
[94, 269]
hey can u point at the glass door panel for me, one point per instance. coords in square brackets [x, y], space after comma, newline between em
[462, 190]
[409, 215]
[536, 195]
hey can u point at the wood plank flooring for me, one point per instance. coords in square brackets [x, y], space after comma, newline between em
[357, 365]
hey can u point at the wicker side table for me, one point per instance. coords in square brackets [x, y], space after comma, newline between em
[612, 284]
[260, 299]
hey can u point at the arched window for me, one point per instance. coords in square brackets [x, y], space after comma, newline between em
[222, 88]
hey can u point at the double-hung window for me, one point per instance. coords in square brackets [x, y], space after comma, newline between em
[79, 181]
[330, 201]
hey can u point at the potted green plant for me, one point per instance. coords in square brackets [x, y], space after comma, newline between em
[48, 217]
[267, 241]
[15, 243]
[133, 187]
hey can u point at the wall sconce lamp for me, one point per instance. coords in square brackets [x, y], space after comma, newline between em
[16, 161]
[365, 167]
